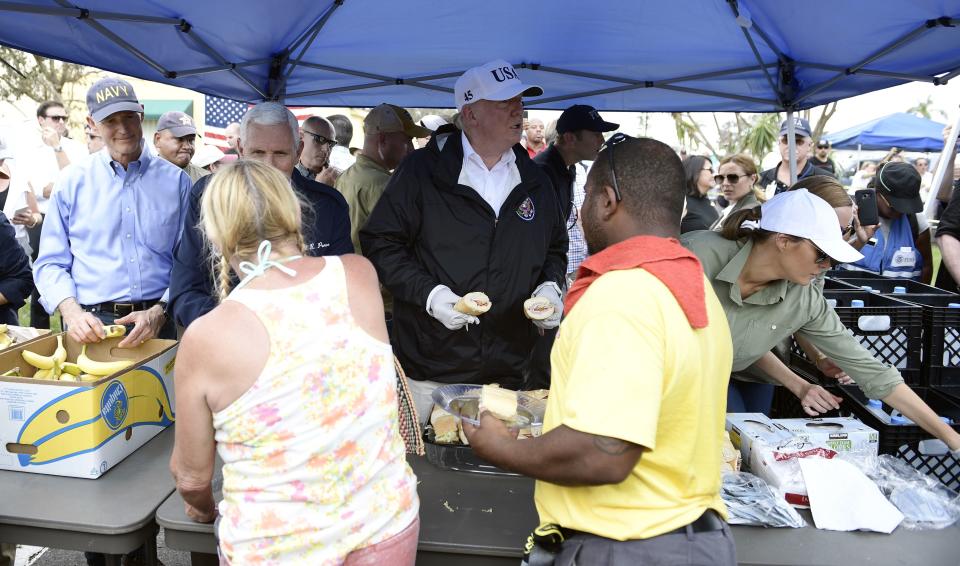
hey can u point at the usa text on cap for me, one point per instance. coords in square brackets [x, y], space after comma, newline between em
[496, 81]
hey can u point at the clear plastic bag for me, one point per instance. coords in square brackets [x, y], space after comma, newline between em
[751, 501]
[924, 501]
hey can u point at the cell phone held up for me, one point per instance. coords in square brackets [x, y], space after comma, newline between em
[866, 201]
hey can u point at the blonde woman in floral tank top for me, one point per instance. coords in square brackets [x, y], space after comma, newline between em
[292, 379]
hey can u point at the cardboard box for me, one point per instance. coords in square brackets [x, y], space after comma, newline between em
[82, 429]
[843, 434]
[22, 335]
[748, 428]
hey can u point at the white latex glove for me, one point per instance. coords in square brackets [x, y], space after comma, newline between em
[441, 308]
[549, 291]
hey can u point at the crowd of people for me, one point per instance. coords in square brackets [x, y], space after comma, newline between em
[307, 267]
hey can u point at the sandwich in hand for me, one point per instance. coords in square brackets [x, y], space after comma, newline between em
[474, 304]
[538, 308]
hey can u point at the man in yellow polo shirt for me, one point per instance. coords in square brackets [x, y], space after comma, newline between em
[628, 467]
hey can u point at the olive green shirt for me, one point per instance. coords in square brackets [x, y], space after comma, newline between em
[362, 184]
[749, 200]
[775, 312]
[194, 172]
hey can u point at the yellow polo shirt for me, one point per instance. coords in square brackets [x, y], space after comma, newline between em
[627, 364]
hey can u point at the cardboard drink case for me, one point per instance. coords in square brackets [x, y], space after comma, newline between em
[747, 429]
[843, 434]
[82, 429]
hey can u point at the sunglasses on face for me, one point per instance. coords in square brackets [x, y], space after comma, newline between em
[610, 144]
[57, 118]
[320, 140]
[731, 178]
[821, 255]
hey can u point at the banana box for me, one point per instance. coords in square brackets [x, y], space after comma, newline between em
[83, 428]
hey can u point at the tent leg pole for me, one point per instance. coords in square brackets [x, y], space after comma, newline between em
[791, 147]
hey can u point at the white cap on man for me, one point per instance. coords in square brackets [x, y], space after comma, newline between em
[496, 81]
[804, 215]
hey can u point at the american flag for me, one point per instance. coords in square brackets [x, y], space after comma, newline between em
[220, 112]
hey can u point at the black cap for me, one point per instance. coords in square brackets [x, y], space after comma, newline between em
[899, 183]
[582, 117]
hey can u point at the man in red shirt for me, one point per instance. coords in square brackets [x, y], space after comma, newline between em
[535, 138]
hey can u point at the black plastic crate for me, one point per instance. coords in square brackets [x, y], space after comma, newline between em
[838, 284]
[885, 286]
[941, 338]
[893, 436]
[852, 274]
[898, 344]
[942, 342]
[942, 466]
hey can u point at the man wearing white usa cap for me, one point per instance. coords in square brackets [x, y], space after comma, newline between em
[761, 267]
[469, 212]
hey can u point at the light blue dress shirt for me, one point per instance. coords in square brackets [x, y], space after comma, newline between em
[109, 233]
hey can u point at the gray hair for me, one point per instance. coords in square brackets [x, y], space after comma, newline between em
[270, 114]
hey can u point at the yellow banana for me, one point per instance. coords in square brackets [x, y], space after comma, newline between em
[43, 374]
[100, 368]
[68, 377]
[138, 397]
[3, 328]
[36, 360]
[12, 372]
[88, 377]
[114, 330]
[71, 368]
[60, 354]
[5, 341]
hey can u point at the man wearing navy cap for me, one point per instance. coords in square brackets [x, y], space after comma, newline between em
[107, 245]
[579, 138]
[776, 180]
[175, 141]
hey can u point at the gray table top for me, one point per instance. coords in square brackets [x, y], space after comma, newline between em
[474, 514]
[121, 501]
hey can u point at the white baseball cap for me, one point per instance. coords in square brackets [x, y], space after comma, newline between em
[496, 80]
[804, 215]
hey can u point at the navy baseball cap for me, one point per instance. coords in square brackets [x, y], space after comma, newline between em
[178, 123]
[582, 117]
[800, 127]
[109, 96]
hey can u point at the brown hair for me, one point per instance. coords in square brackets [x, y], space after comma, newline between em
[749, 167]
[827, 188]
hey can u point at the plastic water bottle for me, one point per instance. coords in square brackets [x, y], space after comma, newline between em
[832, 303]
[857, 303]
[867, 288]
[899, 290]
[897, 418]
[953, 306]
[876, 407]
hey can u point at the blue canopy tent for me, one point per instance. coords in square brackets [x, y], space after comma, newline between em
[905, 131]
[690, 55]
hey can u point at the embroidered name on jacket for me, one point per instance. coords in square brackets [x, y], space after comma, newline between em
[526, 210]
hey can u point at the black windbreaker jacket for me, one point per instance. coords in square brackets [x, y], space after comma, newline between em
[428, 230]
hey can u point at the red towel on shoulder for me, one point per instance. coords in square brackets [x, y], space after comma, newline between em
[674, 265]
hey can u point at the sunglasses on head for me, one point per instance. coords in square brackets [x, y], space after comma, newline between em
[731, 178]
[320, 140]
[610, 144]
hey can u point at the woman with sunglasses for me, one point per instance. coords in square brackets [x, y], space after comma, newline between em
[737, 177]
[701, 213]
[761, 267]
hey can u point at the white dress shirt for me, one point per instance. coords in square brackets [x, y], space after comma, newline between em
[493, 185]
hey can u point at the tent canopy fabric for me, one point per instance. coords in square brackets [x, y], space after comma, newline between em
[684, 55]
[905, 131]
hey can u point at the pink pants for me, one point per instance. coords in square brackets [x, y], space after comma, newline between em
[398, 550]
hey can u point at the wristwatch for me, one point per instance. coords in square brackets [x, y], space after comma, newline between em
[163, 307]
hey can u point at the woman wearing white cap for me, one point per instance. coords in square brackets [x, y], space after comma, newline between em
[761, 267]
